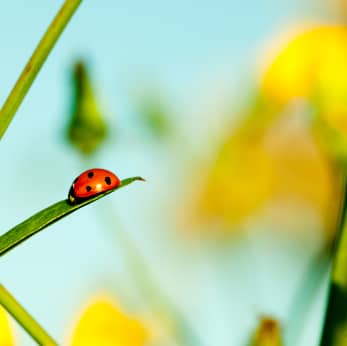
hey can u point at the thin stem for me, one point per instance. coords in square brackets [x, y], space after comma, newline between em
[336, 310]
[146, 280]
[35, 63]
[25, 319]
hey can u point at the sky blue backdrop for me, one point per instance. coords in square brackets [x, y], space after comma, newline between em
[191, 48]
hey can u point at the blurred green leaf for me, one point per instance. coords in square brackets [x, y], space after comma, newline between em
[46, 217]
[335, 323]
[87, 128]
[154, 115]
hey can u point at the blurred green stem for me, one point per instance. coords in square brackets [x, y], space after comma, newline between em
[147, 282]
[335, 323]
[24, 318]
[35, 63]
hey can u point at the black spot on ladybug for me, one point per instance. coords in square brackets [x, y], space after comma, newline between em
[90, 174]
[88, 188]
[108, 180]
[75, 181]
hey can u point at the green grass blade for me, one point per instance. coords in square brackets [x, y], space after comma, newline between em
[35, 63]
[46, 217]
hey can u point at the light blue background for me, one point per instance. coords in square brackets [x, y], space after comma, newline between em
[191, 49]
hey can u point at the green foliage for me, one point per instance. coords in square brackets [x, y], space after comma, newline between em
[153, 114]
[334, 332]
[335, 324]
[87, 129]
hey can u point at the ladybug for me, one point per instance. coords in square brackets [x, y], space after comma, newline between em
[91, 183]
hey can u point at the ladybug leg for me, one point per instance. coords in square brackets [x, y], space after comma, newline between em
[72, 198]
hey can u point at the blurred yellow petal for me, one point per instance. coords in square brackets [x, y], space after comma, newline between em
[258, 164]
[6, 335]
[279, 152]
[303, 173]
[311, 65]
[309, 62]
[268, 333]
[239, 180]
[104, 324]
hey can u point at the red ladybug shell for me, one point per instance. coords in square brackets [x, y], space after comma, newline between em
[91, 183]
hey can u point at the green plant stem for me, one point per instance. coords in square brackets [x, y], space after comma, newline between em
[35, 63]
[25, 319]
[335, 323]
[147, 281]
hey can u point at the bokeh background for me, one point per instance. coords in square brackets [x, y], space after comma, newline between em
[241, 196]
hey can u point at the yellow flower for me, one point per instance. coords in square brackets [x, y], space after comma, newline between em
[6, 335]
[274, 154]
[104, 324]
[259, 164]
[233, 188]
[310, 65]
